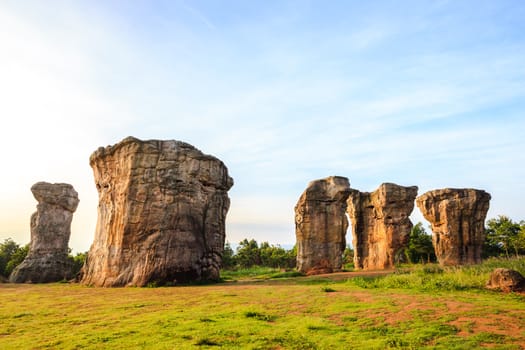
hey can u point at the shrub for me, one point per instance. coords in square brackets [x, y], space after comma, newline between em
[249, 253]
[77, 262]
[11, 255]
[420, 249]
[259, 316]
[437, 278]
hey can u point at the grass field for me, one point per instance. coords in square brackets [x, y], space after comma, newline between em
[417, 308]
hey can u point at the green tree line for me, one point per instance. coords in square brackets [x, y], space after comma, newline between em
[12, 254]
[503, 238]
[419, 248]
[249, 253]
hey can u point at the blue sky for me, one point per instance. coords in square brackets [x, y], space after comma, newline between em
[427, 93]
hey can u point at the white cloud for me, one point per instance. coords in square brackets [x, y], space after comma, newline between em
[282, 99]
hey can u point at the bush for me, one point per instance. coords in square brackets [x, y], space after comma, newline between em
[504, 237]
[77, 262]
[436, 278]
[348, 259]
[420, 248]
[249, 253]
[228, 260]
[276, 256]
[11, 255]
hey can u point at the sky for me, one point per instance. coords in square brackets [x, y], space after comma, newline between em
[426, 93]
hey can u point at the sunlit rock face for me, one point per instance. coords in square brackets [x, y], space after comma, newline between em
[380, 224]
[457, 217]
[321, 224]
[161, 214]
[506, 280]
[47, 259]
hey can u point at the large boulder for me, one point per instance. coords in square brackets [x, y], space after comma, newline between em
[380, 224]
[506, 280]
[320, 225]
[457, 217]
[47, 259]
[161, 214]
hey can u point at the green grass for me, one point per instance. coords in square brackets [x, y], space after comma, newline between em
[258, 273]
[432, 277]
[449, 310]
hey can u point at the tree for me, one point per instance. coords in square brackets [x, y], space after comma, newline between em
[77, 262]
[276, 256]
[292, 257]
[348, 255]
[228, 257]
[420, 248]
[248, 253]
[11, 255]
[504, 236]
[16, 259]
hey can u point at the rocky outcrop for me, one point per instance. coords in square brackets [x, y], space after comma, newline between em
[506, 280]
[457, 217]
[380, 224]
[161, 214]
[47, 259]
[320, 225]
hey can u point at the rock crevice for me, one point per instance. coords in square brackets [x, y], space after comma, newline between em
[380, 224]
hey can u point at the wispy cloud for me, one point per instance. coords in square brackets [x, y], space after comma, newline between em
[426, 94]
[199, 15]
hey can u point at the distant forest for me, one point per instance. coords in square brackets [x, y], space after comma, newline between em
[503, 238]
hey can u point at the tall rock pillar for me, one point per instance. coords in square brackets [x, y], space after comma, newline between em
[457, 217]
[321, 224]
[47, 259]
[161, 214]
[380, 224]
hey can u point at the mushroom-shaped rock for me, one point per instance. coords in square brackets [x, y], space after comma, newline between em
[161, 214]
[457, 217]
[380, 224]
[47, 259]
[506, 280]
[320, 225]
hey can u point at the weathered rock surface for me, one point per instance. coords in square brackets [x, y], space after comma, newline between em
[457, 217]
[380, 224]
[47, 259]
[161, 214]
[320, 225]
[506, 280]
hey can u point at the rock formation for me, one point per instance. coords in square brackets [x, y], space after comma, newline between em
[47, 259]
[506, 280]
[320, 225]
[161, 214]
[380, 224]
[457, 217]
